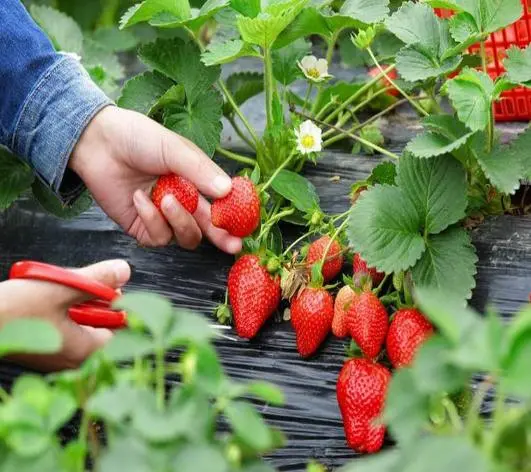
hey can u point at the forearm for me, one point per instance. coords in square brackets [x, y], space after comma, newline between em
[46, 98]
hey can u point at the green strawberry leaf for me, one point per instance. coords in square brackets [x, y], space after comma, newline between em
[62, 30]
[448, 264]
[199, 121]
[250, 8]
[141, 93]
[221, 53]
[265, 29]
[249, 426]
[114, 40]
[367, 11]
[492, 15]
[29, 336]
[243, 86]
[518, 65]
[297, 189]
[94, 54]
[181, 62]
[384, 173]
[384, 227]
[444, 134]
[49, 201]
[414, 63]
[285, 67]
[506, 165]
[338, 92]
[194, 21]
[15, 178]
[310, 21]
[471, 95]
[437, 188]
[148, 9]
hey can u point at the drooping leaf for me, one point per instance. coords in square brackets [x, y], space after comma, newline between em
[285, 68]
[221, 53]
[29, 336]
[518, 65]
[444, 134]
[297, 189]
[243, 86]
[437, 188]
[142, 92]
[62, 30]
[51, 203]
[471, 95]
[449, 263]
[384, 227]
[15, 178]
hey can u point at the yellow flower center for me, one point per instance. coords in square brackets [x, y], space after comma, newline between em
[313, 73]
[308, 141]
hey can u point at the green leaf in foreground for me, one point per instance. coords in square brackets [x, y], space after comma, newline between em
[15, 178]
[221, 53]
[146, 10]
[506, 165]
[367, 11]
[297, 189]
[249, 426]
[414, 63]
[444, 134]
[195, 457]
[243, 86]
[384, 173]
[449, 263]
[142, 92]
[492, 15]
[437, 188]
[384, 227]
[32, 336]
[62, 30]
[49, 201]
[518, 65]
[267, 392]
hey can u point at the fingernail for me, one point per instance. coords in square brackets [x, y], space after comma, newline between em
[234, 246]
[168, 204]
[122, 271]
[222, 184]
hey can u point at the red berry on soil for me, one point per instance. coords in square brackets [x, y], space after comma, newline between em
[360, 267]
[239, 212]
[368, 323]
[334, 258]
[254, 295]
[408, 330]
[345, 297]
[361, 390]
[312, 312]
[182, 189]
[384, 82]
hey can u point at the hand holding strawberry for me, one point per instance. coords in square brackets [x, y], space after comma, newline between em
[182, 189]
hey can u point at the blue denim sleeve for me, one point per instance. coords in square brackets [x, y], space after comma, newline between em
[46, 98]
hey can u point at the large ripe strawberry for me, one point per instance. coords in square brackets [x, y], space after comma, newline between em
[408, 330]
[312, 312]
[334, 258]
[359, 266]
[361, 390]
[345, 297]
[368, 323]
[384, 81]
[253, 293]
[239, 212]
[182, 189]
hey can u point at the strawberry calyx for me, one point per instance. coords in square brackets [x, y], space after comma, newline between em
[223, 313]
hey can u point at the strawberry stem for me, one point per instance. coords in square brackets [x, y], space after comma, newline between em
[236, 157]
[277, 171]
[332, 239]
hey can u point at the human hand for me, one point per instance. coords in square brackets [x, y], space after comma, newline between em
[120, 156]
[21, 298]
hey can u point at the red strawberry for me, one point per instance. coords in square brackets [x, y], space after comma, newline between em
[368, 323]
[312, 312]
[408, 330]
[334, 263]
[360, 267]
[344, 299]
[182, 189]
[239, 211]
[361, 390]
[253, 293]
[384, 82]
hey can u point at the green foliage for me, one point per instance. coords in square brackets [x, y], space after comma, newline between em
[15, 178]
[518, 65]
[243, 86]
[297, 190]
[29, 336]
[142, 92]
[53, 205]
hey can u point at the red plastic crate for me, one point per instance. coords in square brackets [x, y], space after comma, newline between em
[515, 105]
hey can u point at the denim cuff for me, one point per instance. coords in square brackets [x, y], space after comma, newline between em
[51, 121]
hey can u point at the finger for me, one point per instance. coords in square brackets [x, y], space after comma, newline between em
[185, 228]
[184, 158]
[219, 237]
[158, 231]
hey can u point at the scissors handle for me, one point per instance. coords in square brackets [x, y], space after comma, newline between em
[90, 314]
[50, 273]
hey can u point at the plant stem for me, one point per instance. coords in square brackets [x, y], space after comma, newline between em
[83, 436]
[240, 133]
[274, 219]
[269, 85]
[453, 414]
[358, 94]
[475, 407]
[297, 241]
[393, 83]
[483, 52]
[372, 119]
[332, 47]
[236, 157]
[381, 150]
[339, 217]
[332, 239]
[307, 98]
[159, 375]
[277, 171]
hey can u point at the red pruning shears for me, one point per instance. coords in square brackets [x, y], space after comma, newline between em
[96, 313]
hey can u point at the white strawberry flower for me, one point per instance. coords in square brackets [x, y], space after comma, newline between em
[315, 70]
[309, 138]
